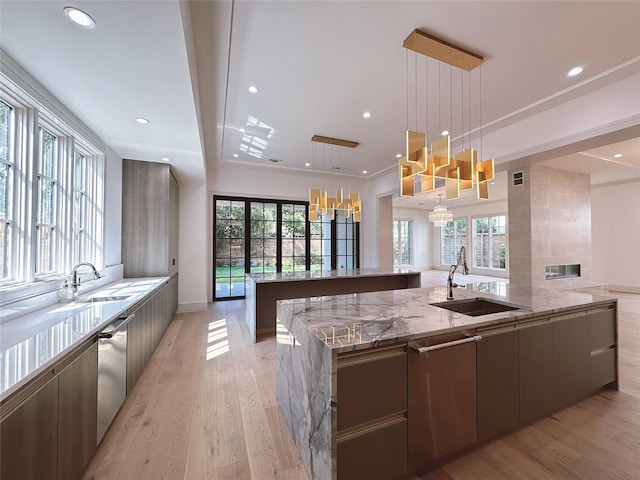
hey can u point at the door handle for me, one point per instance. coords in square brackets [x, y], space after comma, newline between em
[431, 348]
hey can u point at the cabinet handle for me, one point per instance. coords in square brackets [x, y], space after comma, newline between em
[423, 350]
[110, 333]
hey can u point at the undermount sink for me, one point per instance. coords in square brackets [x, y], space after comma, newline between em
[474, 307]
[115, 298]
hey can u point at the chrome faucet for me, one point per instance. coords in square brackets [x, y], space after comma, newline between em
[460, 261]
[76, 278]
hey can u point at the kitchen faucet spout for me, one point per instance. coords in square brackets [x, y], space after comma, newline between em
[76, 278]
[460, 261]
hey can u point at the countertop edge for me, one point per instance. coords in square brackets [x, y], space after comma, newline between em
[22, 389]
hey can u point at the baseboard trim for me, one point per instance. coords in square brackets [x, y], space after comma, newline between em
[192, 307]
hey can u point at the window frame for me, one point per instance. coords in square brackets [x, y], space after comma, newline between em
[456, 244]
[397, 238]
[33, 110]
[490, 235]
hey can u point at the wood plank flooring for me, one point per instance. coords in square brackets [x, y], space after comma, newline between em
[205, 408]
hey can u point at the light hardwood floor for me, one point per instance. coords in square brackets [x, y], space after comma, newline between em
[205, 408]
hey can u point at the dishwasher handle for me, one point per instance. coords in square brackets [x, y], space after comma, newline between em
[118, 325]
[431, 348]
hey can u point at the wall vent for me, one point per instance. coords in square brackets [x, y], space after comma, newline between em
[518, 178]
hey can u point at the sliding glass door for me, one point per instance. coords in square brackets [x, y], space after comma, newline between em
[263, 236]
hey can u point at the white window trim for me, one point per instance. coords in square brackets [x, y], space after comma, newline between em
[34, 106]
[506, 243]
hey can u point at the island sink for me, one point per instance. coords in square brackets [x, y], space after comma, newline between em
[475, 307]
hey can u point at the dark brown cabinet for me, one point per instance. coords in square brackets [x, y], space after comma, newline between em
[371, 419]
[442, 400]
[498, 389]
[535, 356]
[571, 359]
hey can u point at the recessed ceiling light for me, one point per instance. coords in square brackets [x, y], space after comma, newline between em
[574, 71]
[241, 130]
[307, 164]
[364, 172]
[617, 155]
[142, 120]
[166, 159]
[79, 17]
[235, 155]
[253, 89]
[445, 132]
[398, 155]
[366, 114]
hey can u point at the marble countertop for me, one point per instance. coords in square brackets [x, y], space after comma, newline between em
[327, 274]
[356, 321]
[32, 343]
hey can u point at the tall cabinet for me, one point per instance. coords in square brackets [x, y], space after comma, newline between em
[149, 219]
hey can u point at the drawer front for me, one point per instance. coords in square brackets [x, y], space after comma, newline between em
[378, 454]
[603, 367]
[603, 328]
[371, 384]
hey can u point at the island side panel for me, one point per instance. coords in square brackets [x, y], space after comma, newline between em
[263, 296]
[305, 382]
[250, 307]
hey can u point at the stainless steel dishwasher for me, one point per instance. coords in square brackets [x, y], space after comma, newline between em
[112, 371]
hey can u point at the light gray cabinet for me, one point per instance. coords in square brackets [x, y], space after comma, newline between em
[149, 219]
[145, 330]
[77, 414]
[53, 433]
[29, 437]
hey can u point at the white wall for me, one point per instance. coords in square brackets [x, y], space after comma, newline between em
[113, 209]
[421, 248]
[192, 294]
[615, 234]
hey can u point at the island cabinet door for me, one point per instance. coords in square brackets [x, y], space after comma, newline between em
[571, 359]
[442, 399]
[371, 404]
[497, 376]
[535, 355]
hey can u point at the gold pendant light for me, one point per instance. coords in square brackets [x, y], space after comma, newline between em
[320, 204]
[460, 171]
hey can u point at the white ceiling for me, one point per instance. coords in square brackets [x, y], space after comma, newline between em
[318, 67]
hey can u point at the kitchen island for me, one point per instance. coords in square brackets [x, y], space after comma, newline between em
[385, 384]
[263, 290]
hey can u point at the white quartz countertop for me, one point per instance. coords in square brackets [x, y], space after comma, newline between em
[31, 343]
[355, 321]
[327, 274]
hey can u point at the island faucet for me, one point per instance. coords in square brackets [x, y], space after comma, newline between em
[76, 278]
[460, 261]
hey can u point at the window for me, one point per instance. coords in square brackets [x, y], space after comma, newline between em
[47, 218]
[453, 236]
[489, 242]
[6, 168]
[402, 242]
[51, 192]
